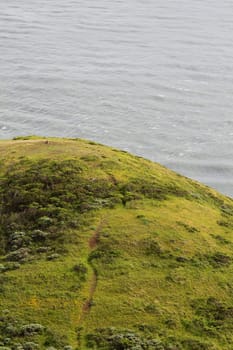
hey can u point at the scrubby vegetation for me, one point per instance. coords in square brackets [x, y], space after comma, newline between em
[100, 249]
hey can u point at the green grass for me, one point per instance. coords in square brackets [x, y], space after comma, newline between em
[106, 250]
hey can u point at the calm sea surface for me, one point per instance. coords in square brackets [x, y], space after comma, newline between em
[151, 77]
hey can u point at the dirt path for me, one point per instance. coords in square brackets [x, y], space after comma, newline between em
[93, 242]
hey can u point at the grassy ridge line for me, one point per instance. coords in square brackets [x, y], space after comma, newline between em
[35, 147]
[63, 147]
[163, 259]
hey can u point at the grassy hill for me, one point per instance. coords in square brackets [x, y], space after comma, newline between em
[100, 249]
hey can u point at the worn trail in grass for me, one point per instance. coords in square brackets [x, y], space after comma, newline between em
[92, 243]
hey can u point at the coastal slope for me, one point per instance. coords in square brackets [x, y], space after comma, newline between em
[101, 249]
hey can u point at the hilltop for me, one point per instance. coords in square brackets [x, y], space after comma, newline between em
[100, 249]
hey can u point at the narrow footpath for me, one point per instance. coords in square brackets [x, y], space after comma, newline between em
[93, 242]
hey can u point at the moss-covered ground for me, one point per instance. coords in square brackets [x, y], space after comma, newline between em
[100, 249]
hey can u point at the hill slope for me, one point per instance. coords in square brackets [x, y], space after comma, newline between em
[100, 249]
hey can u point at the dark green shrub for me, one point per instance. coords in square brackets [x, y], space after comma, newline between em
[20, 255]
[30, 346]
[18, 240]
[54, 340]
[193, 344]
[137, 188]
[145, 328]
[43, 249]
[221, 239]
[53, 256]
[171, 323]
[81, 270]
[105, 254]
[50, 194]
[182, 259]
[33, 328]
[112, 339]
[227, 209]
[150, 246]
[219, 260]
[190, 229]
[215, 313]
[45, 222]
[39, 235]
[225, 223]
[9, 266]
[151, 309]
[17, 346]
[200, 326]
[12, 330]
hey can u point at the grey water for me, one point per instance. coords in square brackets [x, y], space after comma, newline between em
[151, 77]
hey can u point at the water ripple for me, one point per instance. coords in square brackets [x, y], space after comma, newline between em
[154, 78]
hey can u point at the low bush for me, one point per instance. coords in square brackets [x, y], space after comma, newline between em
[215, 313]
[105, 254]
[43, 249]
[33, 328]
[81, 271]
[39, 235]
[53, 256]
[45, 222]
[150, 246]
[221, 239]
[10, 266]
[193, 344]
[112, 339]
[30, 346]
[219, 260]
[20, 255]
[225, 223]
[137, 188]
[12, 330]
[17, 346]
[18, 240]
[188, 228]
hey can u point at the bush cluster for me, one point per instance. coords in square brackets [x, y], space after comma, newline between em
[17, 335]
[214, 313]
[112, 339]
[20, 255]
